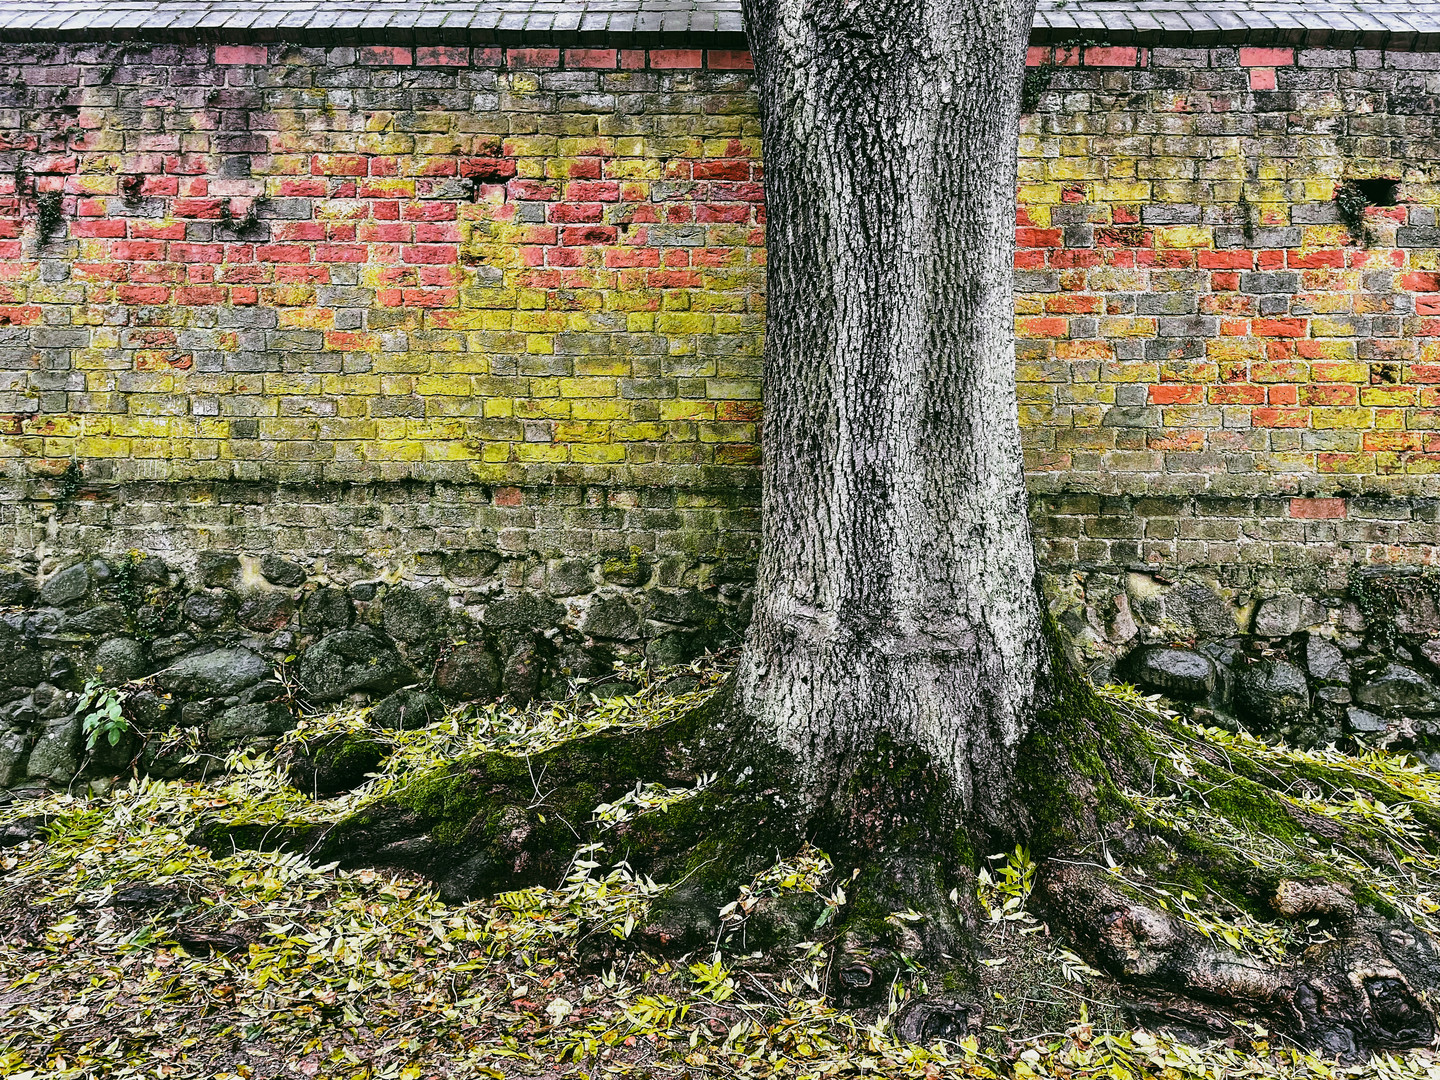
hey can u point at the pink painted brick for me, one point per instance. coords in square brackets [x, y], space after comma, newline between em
[533, 58]
[1037, 55]
[240, 54]
[1267, 57]
[729, 60]
[632, 59]
[1317, 508]
[590, 58]
[385, 56]
[492, 57]
[1262, 78]
[442, 56]
[1114, 56]
[676, 58]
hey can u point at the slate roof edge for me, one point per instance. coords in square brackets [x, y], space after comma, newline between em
[400, 36]
[413, 36]
[1308, 38]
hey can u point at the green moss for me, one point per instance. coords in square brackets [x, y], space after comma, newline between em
[1073, 765]
[1248, 805]
[448, 801]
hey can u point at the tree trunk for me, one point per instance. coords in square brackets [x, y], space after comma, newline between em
[896, 597]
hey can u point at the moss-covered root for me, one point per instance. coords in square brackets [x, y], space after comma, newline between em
[487, 822]
[1358, 993]
[1077, 763]
[492, 822]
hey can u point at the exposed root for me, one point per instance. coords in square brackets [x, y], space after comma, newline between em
[1218, 880]
[1224, 879]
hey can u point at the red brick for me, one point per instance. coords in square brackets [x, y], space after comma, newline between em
[1037, 238]
[1262, 79]
[240, 54]
[1114, 56]
[576, 213]
[618, 258]
[632, 59]
[561, 256]
[1317, 508]
[385, 56]
[1236, 395]
[590, 58]
[1280, 418]
[198, 296]
[97, 228]
[1042, 328]
[430, 254]
[442, 56]
[587, 234]
[1036, 55]
[1293, 328]
[137, 250]
[430, 210]
[1420, 281]
[196, 208]
[491, 57]
[197, 253]
[1177, 394]
[282, 253]
[142, 294]
[592, 191]
[729, 60]
[1226, 260]
[1282, 395]
[730, 169]
[676, 58]
[532, 58]
[1253, 57]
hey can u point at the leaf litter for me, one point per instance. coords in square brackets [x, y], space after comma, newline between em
[127, 951]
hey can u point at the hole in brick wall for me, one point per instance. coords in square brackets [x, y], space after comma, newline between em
[1379, 192]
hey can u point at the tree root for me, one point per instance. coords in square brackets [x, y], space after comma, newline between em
[1348, 996]
[1149, 837]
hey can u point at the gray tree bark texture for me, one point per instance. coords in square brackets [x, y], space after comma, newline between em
[896, 589]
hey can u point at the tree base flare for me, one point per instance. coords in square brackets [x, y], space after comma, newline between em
[1203, 883]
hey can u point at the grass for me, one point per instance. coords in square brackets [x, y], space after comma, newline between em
[263, 965]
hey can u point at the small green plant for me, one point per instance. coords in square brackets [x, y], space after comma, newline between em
[50, 212]
[1006, 892]
[68, 484]
[1037, 79]
[104, 714]
[1247, 215]
[1351, 202]
[1381, 596]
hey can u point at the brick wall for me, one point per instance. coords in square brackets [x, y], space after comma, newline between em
[1194, 314]
[517, 295]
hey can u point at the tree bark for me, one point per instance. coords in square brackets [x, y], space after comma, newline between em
[896, 596]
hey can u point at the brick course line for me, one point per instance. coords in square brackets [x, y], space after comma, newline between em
[680, 24]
